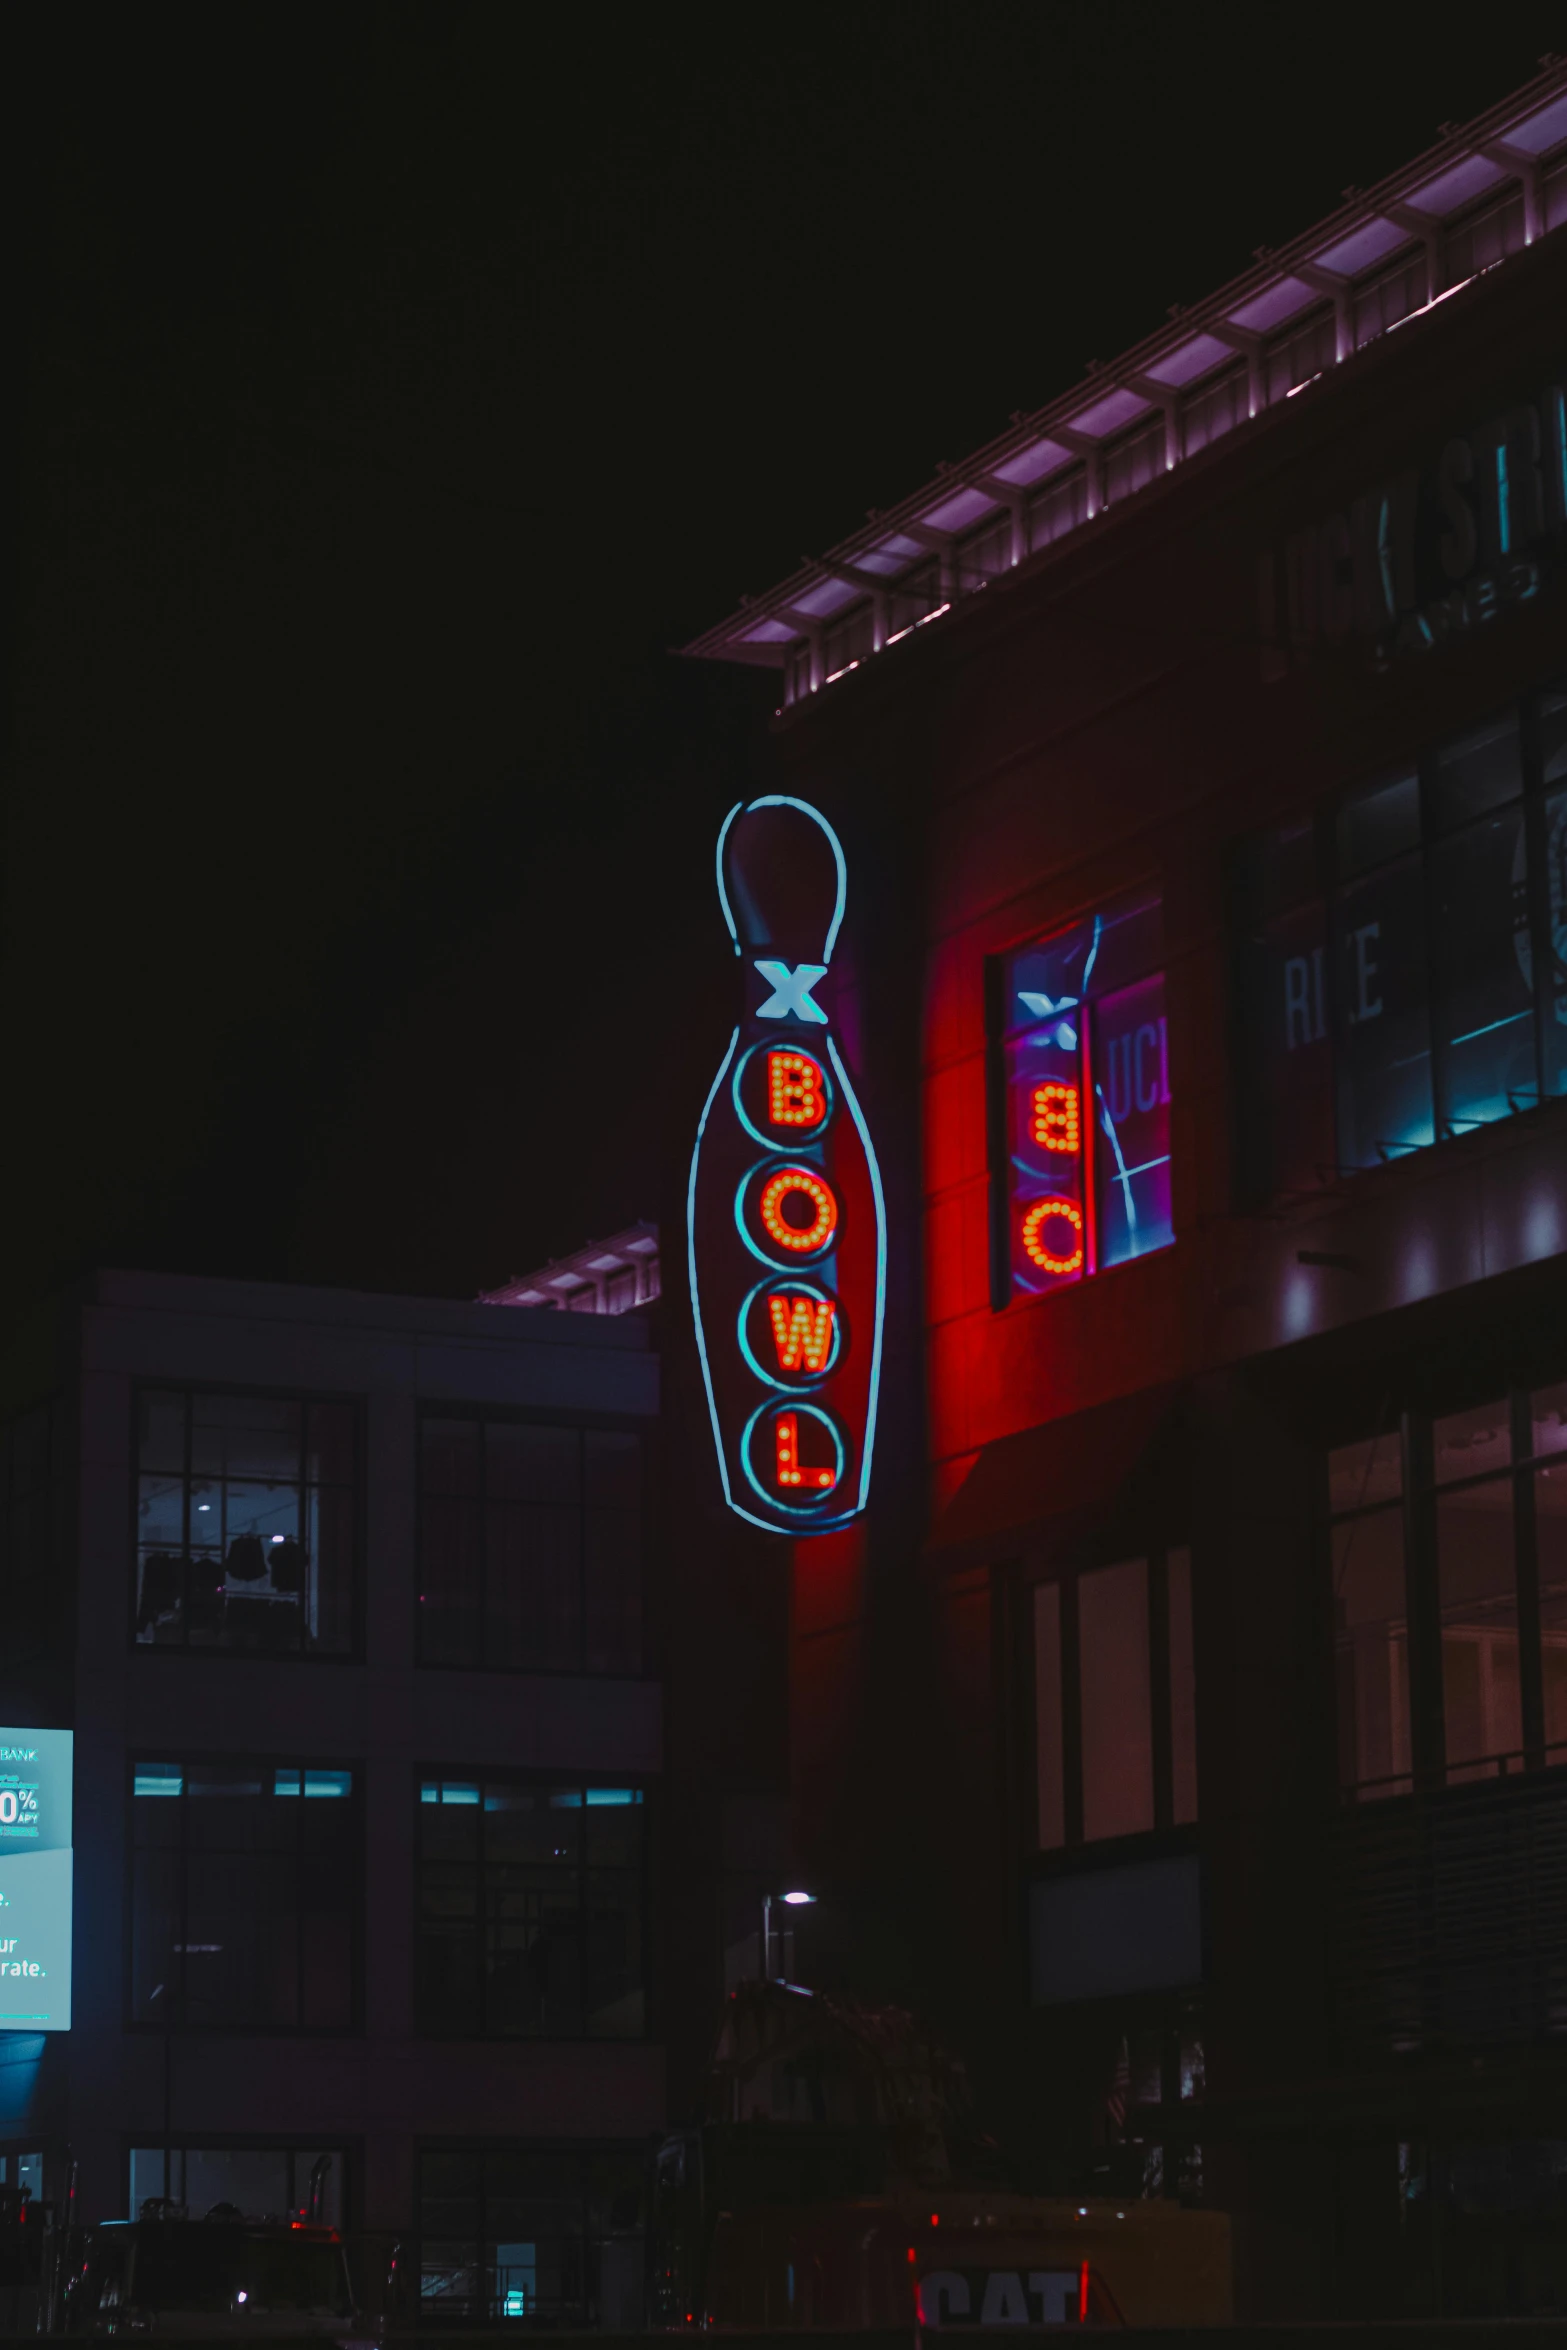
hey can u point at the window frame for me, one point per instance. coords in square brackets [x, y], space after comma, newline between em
[1256, 1181]
[584, 2151]
[139, 1757]
[541, 1416]
[348, 2147]
[1004, 1294]
[1430, 1767]
[355, 1402]
[1166, 1832]
[544, 1780]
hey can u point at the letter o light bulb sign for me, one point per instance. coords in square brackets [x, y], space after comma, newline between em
[35, 1880]
[787, 1229]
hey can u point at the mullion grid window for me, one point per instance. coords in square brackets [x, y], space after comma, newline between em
[247, 1522]
[1114, 1701]
[1399, 982]
[245, 1896]
[531, 1541]
[532, 1918]
[531, 2234]
[1448, 1551]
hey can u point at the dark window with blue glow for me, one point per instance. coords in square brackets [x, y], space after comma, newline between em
[532, 1906]
[549, 2237]
[1085, 1089]
[1402, 975]
[244, 1896]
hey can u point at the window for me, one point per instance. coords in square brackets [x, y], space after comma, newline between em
[985, 554]
[1401, 978]
[531, 1910]
[1134, 462]
[246, 1523]
[1058, 508]
[244, 1897]
[1449, 1563]
[1295, 357]
[1115, 1716]
[1486, 238]
[263, 2182]
[530, 1546]
[1396, 294]
[1081, 1145]
[551, 2237]
[1213, 410]
[32, 1535]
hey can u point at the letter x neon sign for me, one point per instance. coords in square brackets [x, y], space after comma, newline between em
[791, 996]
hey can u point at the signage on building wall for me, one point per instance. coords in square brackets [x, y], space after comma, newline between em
[1435, 552]
[35, 1880]
[787, 1229]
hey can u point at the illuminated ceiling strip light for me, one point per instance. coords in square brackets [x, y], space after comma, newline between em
[696, 1294]
[857, 1115]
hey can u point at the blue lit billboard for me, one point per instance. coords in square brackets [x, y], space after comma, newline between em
[35, 1880]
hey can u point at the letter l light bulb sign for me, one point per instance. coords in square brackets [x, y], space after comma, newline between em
[786, 1226]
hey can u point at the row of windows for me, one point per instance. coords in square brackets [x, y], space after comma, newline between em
[1400, 979]
[247, 1904]
[1297, 354]
[249, 1533]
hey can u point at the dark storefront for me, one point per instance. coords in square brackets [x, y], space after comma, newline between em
[1190, 1705]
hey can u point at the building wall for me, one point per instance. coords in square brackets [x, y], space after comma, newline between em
[104, 2086]
[1121, 709]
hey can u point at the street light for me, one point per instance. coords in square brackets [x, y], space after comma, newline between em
[791, 1900]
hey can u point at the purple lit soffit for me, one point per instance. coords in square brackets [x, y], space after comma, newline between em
[1275, 303]
[1470, 178]
[1032, 464]
[1189, 360]
[958, 511]
[767, 632]
[1363, 247]
[890, 555]
[1109, 414]
[1542, 130]
[826, 597]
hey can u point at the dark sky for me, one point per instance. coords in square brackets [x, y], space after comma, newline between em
[399, 386]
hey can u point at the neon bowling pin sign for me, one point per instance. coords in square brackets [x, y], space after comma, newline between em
[787, 1228]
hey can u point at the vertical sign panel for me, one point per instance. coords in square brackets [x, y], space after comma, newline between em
[35, 1880]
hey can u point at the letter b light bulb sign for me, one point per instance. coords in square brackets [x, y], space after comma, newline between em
[787, 1230]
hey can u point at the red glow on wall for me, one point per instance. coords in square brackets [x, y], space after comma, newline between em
[802, 1331]
[1048, 1211]
[790, 1472]
[1057, 1117]
[796, 1090]
[786, 1184]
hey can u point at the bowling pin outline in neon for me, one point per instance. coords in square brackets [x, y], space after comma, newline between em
[813, 1521]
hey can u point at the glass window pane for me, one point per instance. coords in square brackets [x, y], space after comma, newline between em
[1479, 1606]
[1048, 1733]
[1384, 1091]
[1469, 1444]
[1131, 1086]
[1550, 1521]
[1117, 1723]
[1183, 1689]
[1371, 1637]
[1482, 978]
[1378, 824]
[1362, 1475]
[1548, 1413]
[449, 1456]
[1555, 1040]
[1480, 771]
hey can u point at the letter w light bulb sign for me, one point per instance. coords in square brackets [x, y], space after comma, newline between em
[786, 1225]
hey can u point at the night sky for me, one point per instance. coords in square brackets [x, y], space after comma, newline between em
[398, 387]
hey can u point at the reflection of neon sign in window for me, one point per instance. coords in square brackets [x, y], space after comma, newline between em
[1085, 1068]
